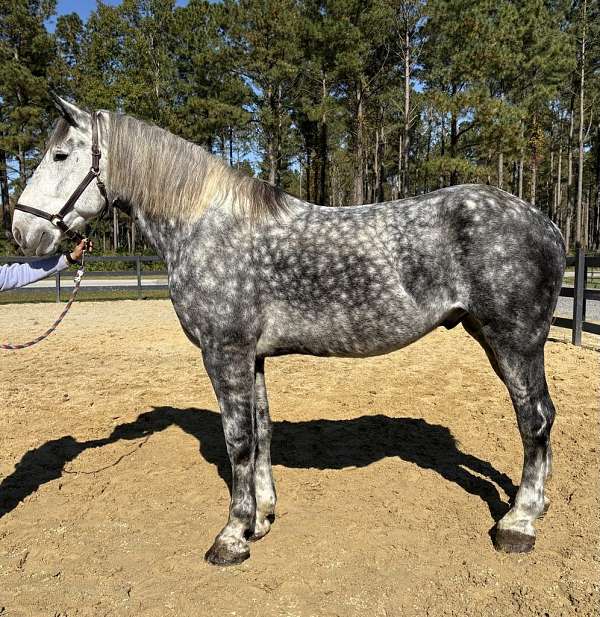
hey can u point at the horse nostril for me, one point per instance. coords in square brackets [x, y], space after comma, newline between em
[17, 235]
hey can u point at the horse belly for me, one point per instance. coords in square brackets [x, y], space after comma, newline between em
[346, 333]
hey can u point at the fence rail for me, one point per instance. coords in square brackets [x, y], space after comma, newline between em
[579, 292]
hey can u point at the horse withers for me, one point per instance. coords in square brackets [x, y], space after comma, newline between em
[255, 273]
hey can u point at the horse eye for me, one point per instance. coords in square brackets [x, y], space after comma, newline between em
[60, 156]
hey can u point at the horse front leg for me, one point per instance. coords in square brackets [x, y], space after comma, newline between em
[232, 376]
[263, 476]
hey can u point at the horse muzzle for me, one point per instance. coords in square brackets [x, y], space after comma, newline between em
[35, 238]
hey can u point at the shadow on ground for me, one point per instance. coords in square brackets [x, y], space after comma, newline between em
[320, 444]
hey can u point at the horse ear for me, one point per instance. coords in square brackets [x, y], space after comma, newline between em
[71, 113]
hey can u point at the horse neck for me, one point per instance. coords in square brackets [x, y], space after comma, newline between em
[166, 236]
[165, 231]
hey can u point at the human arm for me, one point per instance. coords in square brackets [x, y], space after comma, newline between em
[13, 276]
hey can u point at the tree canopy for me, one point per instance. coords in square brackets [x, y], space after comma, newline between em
[337, 101]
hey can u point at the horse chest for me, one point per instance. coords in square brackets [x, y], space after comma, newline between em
[214, 304]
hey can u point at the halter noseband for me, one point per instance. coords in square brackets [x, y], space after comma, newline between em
[94, 173]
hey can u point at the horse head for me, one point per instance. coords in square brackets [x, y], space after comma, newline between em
[62, 196]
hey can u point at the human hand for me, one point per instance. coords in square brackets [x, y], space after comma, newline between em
[84, 245]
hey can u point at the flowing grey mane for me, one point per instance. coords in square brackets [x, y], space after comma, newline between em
[166, 175]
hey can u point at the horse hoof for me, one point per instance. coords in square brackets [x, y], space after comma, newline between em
[511, 541]
[222, 554]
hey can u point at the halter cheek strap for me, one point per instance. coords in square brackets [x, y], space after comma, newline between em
[94, 173]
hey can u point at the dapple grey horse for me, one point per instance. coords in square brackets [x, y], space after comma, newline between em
[255, 273]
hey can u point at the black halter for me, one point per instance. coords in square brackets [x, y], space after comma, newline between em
[58, 219]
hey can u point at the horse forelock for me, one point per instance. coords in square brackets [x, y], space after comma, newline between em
[58, 135]
[170, 177]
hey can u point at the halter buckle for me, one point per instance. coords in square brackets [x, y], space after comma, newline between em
[56, 220]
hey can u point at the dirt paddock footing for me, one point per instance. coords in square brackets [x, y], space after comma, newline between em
[390, 471]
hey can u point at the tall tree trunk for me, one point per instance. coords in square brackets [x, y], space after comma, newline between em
[579, 236]
[442, 178]
[115, 228]
[520, 174]
[399, 180]
[534, 160]
[4, 192]
[378, 160]
[533, 180]
[521, 163]
[308, 165]
[271, 141]
[406, 128]
[358, 191]
[558, 200]
[597, 198]
[383, 146]
[453, 144]
[513, 178]
[427, 154]
[323, 198]
[550, 190]
[279, 135]
[500, 170]
[376, 170]
[587, 219]
[570, 175]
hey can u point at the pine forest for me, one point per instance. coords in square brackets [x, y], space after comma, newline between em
[339, 102]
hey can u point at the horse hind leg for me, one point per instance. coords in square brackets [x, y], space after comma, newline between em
[523, 375]
[266, 497]
[473, 327]
[526, 382]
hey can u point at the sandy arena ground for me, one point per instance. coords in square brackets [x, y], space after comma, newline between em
[390, 472]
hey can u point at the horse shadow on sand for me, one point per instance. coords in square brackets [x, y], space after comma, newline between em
[320, 444]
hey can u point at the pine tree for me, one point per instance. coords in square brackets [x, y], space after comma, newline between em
[264, 34]
[211, 97]
[366, 61]
[26, 51]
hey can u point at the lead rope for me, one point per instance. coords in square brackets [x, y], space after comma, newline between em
[50, 330]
